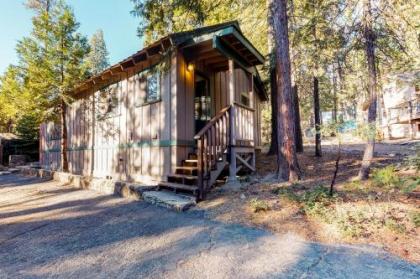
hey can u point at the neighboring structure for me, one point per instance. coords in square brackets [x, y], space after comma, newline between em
[177, 113]
[6, 140]
[401, 106]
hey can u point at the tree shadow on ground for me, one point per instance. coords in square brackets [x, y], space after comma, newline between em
[112, 237]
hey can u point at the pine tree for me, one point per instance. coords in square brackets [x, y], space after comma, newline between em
[52, 58]
[286, 116]
[98, 56]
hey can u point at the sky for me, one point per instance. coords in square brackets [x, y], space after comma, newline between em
[112, 16]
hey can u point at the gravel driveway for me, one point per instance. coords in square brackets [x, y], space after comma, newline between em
[49, 230]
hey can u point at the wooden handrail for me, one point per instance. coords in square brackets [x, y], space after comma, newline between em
[211, 123]
[212, 142]
[243, 106]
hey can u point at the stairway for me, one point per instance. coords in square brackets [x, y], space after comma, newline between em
[185, 178]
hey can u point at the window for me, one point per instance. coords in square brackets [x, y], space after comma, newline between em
[107, 102]
[245, 99]
[153, 88]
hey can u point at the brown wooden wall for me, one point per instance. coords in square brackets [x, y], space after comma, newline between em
[131, 144]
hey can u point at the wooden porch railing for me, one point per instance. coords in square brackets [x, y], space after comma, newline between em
[244, 125]
[212, 142]
[215, 140]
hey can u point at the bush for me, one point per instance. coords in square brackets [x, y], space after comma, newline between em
[259, 205]
[313, 202]
[386, 177]
[413, 161]
[394, 226]
[415, 218]
[287, 193]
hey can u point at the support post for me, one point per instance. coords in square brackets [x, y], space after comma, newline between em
[232, 163]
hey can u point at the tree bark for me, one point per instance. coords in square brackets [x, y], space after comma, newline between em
[64, 160]
[285, 120]
[298, 129]
[273, 84]
[370, 56]
[274, 112]
[317, 115]
[337, 164]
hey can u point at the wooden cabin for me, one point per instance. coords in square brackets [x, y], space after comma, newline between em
[177, 113]
[400, 111]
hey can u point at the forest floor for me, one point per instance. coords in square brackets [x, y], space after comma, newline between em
[384, 211]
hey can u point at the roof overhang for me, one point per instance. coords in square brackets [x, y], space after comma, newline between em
[225, 39]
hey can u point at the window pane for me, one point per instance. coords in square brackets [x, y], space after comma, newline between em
[152, 87]
[245, 99]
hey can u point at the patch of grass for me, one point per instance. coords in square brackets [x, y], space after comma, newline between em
[413, 161]
[411, 184]
[313, 201]
[287, 193]
[415, 218]
[394, 226]
[386, 177]
[259, 205]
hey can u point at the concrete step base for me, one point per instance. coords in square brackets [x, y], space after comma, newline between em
[169, 200]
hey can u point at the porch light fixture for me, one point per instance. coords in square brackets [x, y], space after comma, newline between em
[190, 67]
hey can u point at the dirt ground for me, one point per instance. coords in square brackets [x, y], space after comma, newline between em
[48, 230]
[384, 214]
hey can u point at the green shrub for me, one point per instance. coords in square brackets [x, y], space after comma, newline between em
[413, 161]
[287, 193]
[259, 205]
[386, 177]
[394, 226]
[313, 202]
[415, 218]
[411, 184]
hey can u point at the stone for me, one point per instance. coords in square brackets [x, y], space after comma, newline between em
[140, 188]
[169, 200]
[5, 172]
[243, 197]
[232, 186]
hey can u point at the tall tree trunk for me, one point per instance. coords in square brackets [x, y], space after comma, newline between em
[64, 160]
[317, 115]
[285, 120]
[298, 129]
[273, 84]
[274, 112]
[370, 56]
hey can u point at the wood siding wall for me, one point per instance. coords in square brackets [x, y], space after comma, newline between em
[140, 141]
[131, 144]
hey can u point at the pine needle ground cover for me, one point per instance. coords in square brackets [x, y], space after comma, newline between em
[384, 211]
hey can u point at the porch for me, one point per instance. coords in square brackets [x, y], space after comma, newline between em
[218, 73]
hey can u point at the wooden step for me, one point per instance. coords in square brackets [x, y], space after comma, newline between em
[179, 186]
[186, 170]
[190, 163]
[182, 178]
[192, 156]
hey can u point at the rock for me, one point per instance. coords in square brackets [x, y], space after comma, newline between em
[5, 172]
[232, 186]
[243, 197]
[169, 200]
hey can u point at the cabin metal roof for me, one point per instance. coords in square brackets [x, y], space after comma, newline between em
[246, 55]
